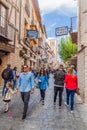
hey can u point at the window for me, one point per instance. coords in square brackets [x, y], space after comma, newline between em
[27, 8]
[2, 16]
[25, 27]
[52, 43]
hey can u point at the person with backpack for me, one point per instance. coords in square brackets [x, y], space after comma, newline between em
[59, 84]
[7, 76]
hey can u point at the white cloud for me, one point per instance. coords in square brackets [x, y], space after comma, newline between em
[47, 6]
[51, 26]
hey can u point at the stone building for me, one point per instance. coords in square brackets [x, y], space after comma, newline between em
[53, 44]
[9, 33]
[82, 48]
[21, 29]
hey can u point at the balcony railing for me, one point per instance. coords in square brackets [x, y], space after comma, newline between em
[6, 30]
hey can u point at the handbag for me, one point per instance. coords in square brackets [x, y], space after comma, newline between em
[36, 82]
[78, 91]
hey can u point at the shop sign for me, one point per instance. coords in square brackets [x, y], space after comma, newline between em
[32, 33]
[61, 31]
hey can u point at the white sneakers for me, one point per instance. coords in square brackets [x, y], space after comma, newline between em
[66, 104]
[72, 111]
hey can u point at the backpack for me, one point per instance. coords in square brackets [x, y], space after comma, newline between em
[6, 74]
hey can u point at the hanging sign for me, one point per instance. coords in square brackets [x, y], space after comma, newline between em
[32, 33]
[61, 31]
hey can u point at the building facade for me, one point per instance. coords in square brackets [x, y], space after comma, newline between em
[21, 29]
[82, 48]
[9, 32]
[53, 60]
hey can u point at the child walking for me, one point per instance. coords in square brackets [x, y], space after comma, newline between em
[7, 95]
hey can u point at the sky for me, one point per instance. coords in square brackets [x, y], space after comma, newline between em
[58, 13]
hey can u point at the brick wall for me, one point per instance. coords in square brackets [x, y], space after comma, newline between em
[13, 59]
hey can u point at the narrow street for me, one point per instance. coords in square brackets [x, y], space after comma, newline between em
[41, 117]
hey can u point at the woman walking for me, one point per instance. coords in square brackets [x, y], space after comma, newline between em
[42, 84]
[71, 86]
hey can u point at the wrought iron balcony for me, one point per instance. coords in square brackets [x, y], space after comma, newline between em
[6, 35]
[6, 30]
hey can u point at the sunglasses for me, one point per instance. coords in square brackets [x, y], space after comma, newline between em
[25, 67]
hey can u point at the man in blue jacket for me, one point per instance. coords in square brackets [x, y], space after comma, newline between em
[26, 86]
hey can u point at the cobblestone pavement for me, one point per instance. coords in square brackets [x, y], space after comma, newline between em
[42, 117]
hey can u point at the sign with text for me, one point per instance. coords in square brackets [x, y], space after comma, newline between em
[32, 33]
[61, 31]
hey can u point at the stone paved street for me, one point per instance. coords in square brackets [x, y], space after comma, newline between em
[42, 117]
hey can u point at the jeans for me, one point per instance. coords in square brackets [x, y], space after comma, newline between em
[56, 90]
[70, 94]
[14, 84]
[42, 92]
[25, 98]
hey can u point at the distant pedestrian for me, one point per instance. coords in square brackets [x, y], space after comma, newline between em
[14, 77]
[7, 95]
[7, 76]
[59, 76]
[74, 69]
[26, 87]
[71, 86]
[42, 84]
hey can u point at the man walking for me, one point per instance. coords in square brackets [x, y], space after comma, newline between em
[26, 86]
[59, 84]
[7, 76]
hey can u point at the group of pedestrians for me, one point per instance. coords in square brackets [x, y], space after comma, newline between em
[68, 80]
[26, 84]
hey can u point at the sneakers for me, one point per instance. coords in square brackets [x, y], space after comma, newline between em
[66, 104]
[42, 102]
[72, 111]
[23, 117]
[5, 111]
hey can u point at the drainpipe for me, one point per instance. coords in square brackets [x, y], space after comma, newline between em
[20, 22]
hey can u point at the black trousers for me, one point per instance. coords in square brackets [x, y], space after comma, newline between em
[56, 90]
[25, 98]
[42, 92]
